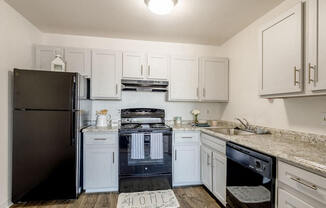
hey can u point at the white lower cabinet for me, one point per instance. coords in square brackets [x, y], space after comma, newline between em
[206, 166]
[219, 176]
[186, 159]
[100, 162]
[298, 188]
[213, 166]
[287, 200]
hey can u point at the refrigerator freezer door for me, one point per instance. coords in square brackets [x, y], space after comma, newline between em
[44, 156]
[44, 90]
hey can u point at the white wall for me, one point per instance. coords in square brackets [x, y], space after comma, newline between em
[301, 114]
[16, 38]
[137, 99]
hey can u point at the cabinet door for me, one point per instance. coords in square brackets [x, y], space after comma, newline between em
[287, 200]
[106, 74]
[78, 60]
[186, 165]
[281, 54]
[101, 168]
[184, 79]
[219, 177]
[214, 79]
[133, 65]
[206, 167]
[316, 68]
[44, 55]
[157, 67]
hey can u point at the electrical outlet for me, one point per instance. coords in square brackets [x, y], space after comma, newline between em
[323, 118]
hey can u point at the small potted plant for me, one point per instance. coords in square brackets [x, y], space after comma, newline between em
[195, 113]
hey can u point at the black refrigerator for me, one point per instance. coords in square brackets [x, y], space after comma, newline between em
[50, 109]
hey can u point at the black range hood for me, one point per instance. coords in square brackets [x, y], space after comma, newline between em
[144, 85]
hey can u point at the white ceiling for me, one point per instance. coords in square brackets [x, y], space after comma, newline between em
[192, 21]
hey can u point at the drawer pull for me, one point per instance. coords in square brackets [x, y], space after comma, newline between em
[100, 139]
[113, 157]
[298, 180]
[186, 137]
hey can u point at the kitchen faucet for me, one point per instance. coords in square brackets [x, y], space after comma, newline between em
[244, 123]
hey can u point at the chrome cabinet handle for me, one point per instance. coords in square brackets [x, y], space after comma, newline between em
[113, 157]
[204, 92]
[186, 137]
[141, 69]
[208, 158]
[311, 67]
[295, 76]
[100, 139]
[149, 70]
[197, 92]
[175, 154]
[299, 180]
[116, 89]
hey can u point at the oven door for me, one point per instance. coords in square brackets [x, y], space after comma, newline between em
[250, 180]
[146, 165]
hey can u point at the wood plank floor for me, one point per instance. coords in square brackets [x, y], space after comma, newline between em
[188, 197]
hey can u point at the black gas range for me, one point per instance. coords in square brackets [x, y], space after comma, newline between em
[145, 150]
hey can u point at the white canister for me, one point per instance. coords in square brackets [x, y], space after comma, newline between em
[103, 121]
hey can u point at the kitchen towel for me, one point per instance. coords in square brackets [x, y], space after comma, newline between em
[137, 146]
[156, 146]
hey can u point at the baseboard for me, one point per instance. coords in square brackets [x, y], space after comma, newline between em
[5, 204]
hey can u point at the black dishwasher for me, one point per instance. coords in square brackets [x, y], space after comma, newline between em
[250, 178]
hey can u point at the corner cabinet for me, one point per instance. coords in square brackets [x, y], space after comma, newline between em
[186, 159]
[44, 55]
[106, 74]
[184, 82]
[78, 60]
[214, 79]
[282, 53]
[100, 162]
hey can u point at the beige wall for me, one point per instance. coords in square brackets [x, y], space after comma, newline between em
[301, 114]
[16, 38]
[137, 99]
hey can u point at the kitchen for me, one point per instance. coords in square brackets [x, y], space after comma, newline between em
[253, 82]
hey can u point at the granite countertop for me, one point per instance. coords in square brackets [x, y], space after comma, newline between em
[101, 129]
[309, 154]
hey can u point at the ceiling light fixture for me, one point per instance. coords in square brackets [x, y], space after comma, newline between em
[161, 7]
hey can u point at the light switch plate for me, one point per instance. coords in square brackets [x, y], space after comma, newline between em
[323, 118]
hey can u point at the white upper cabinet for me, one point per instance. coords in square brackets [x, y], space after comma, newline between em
[44, 55]
[133, 65]
[316, 68]
[282, 53]
[106, 74]
[78, 60]
[184, 82]
[214, 73]
[157, 67]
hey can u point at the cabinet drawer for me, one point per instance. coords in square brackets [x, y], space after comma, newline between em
[303, 181]
[100, 138]
[286, 200]
[214, 142]
[186, 137]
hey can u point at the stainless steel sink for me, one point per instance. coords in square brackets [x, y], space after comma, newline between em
[231, 131]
